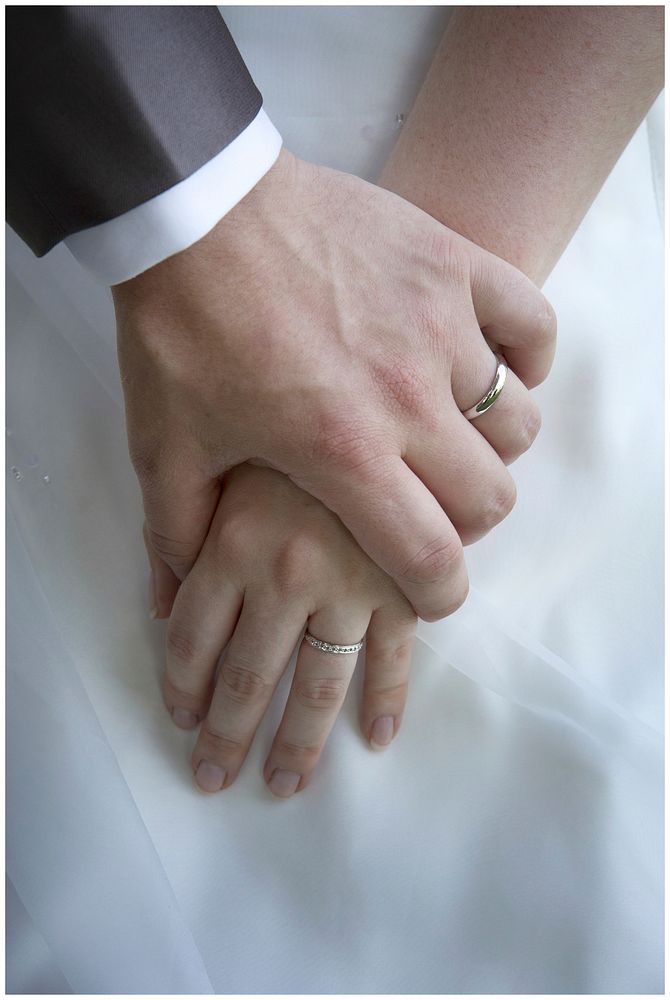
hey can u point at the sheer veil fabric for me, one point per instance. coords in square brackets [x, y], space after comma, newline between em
[511, 839]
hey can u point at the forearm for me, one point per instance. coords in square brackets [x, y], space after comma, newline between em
[522, 116]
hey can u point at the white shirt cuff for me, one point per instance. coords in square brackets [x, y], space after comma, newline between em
[175, 219]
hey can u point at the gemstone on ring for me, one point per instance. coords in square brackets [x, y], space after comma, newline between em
[332, 647]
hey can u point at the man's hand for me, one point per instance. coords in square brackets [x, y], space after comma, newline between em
[331, 330]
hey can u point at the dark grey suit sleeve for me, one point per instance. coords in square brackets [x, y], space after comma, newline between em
[109, 106]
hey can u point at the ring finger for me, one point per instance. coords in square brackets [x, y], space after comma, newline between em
[256, 657]
[513, 421]
[318, 690]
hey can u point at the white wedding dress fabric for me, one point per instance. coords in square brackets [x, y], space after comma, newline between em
[510, 840]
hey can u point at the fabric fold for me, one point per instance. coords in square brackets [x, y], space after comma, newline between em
[87, 875]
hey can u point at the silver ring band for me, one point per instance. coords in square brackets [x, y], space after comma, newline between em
[487, 401]
[332, 647]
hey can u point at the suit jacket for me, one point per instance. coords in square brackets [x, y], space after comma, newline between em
[107, 107]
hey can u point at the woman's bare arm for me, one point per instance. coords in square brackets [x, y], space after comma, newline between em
[523, 114]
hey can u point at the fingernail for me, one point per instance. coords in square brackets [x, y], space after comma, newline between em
[382, 732]
[183, 718]
[284, 783]
[153, 610]
[209, 776]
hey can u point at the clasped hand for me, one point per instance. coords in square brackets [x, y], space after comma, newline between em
[332, 331]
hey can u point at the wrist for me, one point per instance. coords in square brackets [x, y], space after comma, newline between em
[234, 245]
[250, 231]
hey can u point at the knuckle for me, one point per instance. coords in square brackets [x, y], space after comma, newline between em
[389, 692]
[526, 429]
[298, 753]
[453, 600]
[543, 336]
[450, 257]
[177, 697]
[495, 507]
[231, 549]
[232, 543]
[399, 653]
[530, 427]
[295, 563]
[321, 692]
[435, 323]
[179, 555]
[547, 323]
[459, 597]
[435, 561]
[500, 502]
[218, 745]
[392, 654]
[181, 643]
[405, 389]
[241, 684]
[344, 443]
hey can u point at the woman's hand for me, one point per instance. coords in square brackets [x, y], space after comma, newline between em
[275, 560]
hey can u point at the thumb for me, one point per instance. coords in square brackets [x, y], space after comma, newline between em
[178, 508]
[163, 584]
